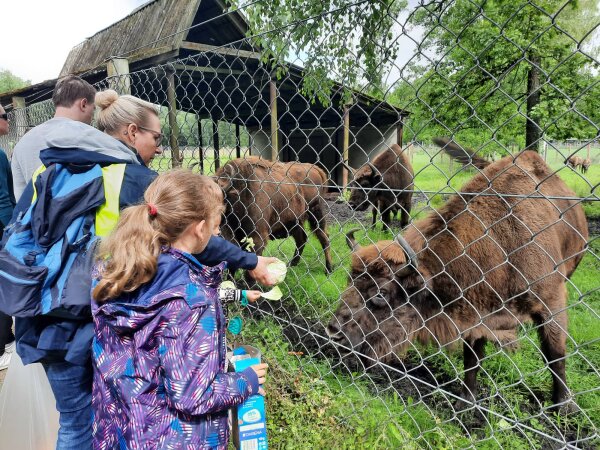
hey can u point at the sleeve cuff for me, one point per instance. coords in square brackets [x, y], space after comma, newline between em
[251, 261]
[252, 378]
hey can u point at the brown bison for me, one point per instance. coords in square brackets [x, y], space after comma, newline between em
[575, 162]
[585, 165]
[386, 184]
[266, 200]
[472, 271]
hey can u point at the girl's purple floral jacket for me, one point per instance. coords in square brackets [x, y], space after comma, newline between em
[159, 363]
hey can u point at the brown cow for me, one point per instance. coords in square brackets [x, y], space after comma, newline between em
[472, 272]
[266, 200]
[386, 184]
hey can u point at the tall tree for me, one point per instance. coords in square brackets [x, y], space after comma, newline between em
[511, 70]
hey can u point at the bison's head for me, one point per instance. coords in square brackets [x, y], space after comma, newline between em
[228, 180]
[364, 179]
[374, 317]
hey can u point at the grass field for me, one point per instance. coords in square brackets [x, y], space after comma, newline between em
[314, 403]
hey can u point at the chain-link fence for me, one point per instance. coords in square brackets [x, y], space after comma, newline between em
[437, 296]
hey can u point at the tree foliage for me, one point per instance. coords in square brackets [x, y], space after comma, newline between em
[10, 82]
[482, 55]
[332, 39]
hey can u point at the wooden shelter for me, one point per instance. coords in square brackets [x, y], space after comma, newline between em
[193, 56]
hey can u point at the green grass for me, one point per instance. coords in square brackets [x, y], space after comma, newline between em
[312, 405]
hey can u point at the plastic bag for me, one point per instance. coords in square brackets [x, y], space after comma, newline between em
[28, 416]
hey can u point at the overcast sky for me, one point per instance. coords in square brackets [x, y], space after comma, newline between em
[37, 35]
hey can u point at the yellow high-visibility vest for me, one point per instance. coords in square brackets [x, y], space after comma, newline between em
[107, 214]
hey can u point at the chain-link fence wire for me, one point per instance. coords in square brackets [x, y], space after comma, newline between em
[498, 268]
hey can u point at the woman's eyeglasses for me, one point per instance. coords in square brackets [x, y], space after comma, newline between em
[158, 137]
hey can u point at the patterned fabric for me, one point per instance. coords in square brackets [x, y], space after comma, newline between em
[160, 380]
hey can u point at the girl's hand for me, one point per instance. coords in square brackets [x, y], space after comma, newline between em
[261, 372]
[252, 296]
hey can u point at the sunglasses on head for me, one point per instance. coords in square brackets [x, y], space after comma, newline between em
[4, 116]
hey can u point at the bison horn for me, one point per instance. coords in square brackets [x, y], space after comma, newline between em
[374, 170]
[354, 246]
[412, 256]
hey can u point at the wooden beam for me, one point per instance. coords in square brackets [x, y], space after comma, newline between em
[174, 137]
[399, 133]
[205, 48]
[117, 70]
[238, 143]
[346, 145]
[237, 21]
[208, 69]
[274, 124]
[21, 119]
[200, 144]
[216, 142]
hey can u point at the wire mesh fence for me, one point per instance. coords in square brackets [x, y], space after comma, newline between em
[438, 296]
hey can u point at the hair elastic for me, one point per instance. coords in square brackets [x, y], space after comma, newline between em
[152, 211]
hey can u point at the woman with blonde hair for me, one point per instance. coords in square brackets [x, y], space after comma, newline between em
[131, 120]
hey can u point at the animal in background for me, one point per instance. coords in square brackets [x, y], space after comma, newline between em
[271, 200]
[386, 184]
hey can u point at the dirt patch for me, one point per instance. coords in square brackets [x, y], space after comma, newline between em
[594, 227]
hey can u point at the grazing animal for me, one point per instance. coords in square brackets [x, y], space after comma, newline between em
[272, 200]
[585, 165]
[472, 272]
[386, 183]
[575, 162]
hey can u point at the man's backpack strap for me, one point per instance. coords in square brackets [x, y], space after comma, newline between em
[108, 214]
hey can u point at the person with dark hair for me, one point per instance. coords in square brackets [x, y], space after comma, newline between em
[73, 99]
[7, 203]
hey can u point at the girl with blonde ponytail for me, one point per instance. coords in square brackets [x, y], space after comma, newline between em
[159, 344]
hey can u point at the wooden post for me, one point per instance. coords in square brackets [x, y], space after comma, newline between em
[588, 150]
[216, 143]
[117, 70]
[200, 145]
[174, 137]
[346, 145]
[274, 123]
[238, 143]
[21, 121]
[399, 132]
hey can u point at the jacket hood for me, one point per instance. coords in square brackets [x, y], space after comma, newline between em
[178, 275]
[71, 134]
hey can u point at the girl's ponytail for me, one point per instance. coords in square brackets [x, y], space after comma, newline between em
[130, 254]
[172, 202]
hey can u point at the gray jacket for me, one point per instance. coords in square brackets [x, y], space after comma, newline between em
[61, 132]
